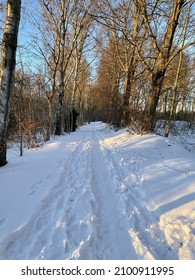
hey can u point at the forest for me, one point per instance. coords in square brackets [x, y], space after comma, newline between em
[128, 63]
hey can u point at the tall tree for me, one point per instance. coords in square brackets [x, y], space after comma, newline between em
[63, 28]
[176, 82]
[123, 22]
[8, 62]
[161, 52]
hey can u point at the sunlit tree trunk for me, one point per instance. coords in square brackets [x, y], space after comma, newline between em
[175, 86]
[161, 62]
[129, 79]
[8, 62]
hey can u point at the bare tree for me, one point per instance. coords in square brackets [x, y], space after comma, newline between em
[162, 52]
[8, 62]
[176, 82]
[121, 22]
[63, 27]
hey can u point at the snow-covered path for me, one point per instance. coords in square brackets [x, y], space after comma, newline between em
[110, 238]
[87, 203]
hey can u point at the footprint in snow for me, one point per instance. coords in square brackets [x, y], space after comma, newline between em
[35, 187]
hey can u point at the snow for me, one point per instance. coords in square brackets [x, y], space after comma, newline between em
[99, 194]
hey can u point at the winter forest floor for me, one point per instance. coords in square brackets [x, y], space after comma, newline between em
[98, 194]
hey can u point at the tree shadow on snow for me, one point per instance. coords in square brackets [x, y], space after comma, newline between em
[176, 203]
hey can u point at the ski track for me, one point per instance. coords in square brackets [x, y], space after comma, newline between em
[104, 215]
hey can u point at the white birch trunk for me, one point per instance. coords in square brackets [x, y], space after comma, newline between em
[8, 62]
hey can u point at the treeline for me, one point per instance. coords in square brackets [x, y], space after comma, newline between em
[33, 115]
[125, 62]
[146, 65]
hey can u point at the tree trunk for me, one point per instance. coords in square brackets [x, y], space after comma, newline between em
[161, 62]
[165, 101]
[58, 130]
[8, 62]
[175, 87]
[127, 99]
[49, 121]
[150, 111]
[128, 86]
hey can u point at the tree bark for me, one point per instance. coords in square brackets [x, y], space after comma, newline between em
[150, 111]
[8, 62]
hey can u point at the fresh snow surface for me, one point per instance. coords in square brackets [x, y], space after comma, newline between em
[98, 194]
